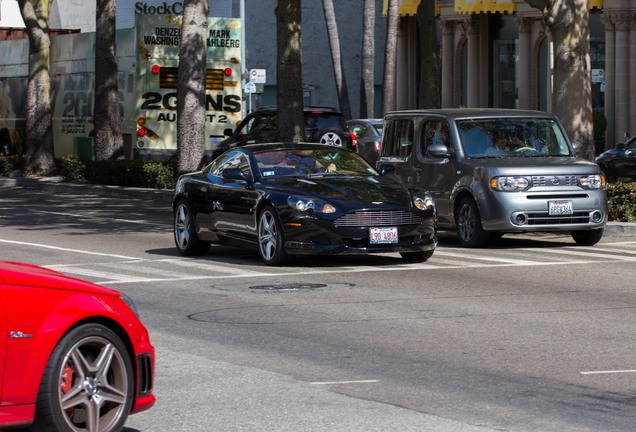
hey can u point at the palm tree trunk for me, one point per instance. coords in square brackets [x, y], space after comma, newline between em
[289, 71]
[367, 82]
[191, 86]
[106, 112]
[39, 117]
[390, 56]
[336, 58]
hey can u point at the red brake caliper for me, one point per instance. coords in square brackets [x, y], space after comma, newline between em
[66, 383]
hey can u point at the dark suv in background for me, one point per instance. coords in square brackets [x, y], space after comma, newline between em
[322, 125]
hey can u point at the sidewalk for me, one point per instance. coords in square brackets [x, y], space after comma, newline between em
[58, 185]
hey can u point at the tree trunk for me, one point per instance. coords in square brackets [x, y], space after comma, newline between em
[568, 21]
[336, 58]
[367, 69]
[191, 86]
[429, 96]
[107, 111]
[289, 71]
[390, 56]
[39, 125]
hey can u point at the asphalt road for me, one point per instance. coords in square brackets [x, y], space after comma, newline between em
[531, 334]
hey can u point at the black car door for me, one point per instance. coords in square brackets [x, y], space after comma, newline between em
[232, 202]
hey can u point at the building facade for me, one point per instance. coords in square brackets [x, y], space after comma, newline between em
[498, 53]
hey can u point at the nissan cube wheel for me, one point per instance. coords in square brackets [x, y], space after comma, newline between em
[185, 234]
[588, 237]
[270, 238]
[88, 383]
[468, 222]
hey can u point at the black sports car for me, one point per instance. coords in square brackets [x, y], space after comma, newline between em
[293, 199]
[620, 161]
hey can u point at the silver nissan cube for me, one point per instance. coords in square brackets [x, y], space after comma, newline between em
[495, 171]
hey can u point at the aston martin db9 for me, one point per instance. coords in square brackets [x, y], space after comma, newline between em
[285, 200]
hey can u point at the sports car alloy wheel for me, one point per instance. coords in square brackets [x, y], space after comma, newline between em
[88, 383]
[270, 238]
[185, 235]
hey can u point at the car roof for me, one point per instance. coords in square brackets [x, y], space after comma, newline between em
[289, 146]
[306, 108]
[466, 113]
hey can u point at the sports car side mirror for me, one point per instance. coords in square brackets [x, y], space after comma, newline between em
[235, 174]
[386, 169]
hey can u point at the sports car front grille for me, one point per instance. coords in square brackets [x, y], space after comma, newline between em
[377, 219]
[545, 219]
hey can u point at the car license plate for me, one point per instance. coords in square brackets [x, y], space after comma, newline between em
[557, 208]
[383, 235]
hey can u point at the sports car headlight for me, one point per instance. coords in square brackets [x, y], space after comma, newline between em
[423, 203]
[509, 184]
[308, 205]
[592, 181]
[129, 303]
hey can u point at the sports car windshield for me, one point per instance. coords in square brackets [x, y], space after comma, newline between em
[311, 162]
[512, 137]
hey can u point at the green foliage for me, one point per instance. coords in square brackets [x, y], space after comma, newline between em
[621, 199]
[160, 175]
[71, 168]
[132, 173]
[127, 173]
[8, 164]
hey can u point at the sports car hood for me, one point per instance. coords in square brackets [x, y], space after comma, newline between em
[20, 274]
[346, 189]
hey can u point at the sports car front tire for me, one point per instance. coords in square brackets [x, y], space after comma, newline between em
[271, 240]
[88, 383]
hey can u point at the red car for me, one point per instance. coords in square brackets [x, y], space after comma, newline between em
[73, 355]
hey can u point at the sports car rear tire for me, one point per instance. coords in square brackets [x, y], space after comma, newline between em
[185, 234]
[88, 383]
[270, 238]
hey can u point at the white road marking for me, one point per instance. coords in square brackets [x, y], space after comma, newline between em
[344, 382]
[85, 252]
[609, 372]
[130, 221]
[446, 259]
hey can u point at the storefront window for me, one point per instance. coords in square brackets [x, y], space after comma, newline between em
[504, 85]
[505, 56]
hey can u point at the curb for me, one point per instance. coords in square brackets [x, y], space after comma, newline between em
[58, 185]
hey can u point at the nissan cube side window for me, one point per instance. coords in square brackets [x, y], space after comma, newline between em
[435, 132]
[399, 134]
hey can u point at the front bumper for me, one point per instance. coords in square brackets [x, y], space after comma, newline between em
[528, 211]
[322, 237]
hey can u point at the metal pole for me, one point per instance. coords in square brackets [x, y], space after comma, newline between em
[243, 60]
